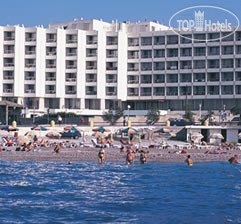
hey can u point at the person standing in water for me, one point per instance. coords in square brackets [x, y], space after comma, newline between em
[189, 161]
[130, 156]
[101, 155]
[234, 160]
[57, 148]
[143, 156]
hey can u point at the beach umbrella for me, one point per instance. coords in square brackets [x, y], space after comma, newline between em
[162, 130]
[216, 136]
[101, 129]
[39, 128]
[130, 130]
[11, 128]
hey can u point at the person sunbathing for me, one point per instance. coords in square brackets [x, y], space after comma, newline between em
[29, 147]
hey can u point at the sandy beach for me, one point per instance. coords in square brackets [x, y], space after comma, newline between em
[114, 154]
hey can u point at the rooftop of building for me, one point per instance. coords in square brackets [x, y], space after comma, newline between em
[114, 26]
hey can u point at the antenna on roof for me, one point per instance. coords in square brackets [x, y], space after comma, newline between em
[116, 25]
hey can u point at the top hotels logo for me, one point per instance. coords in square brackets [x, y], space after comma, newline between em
[204, 19]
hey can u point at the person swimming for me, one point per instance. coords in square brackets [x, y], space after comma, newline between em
[189, 161]
[101, 155]
[234, 159]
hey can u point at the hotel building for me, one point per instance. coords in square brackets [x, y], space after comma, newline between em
[87, 66]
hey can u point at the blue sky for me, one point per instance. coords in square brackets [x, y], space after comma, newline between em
[37, 12]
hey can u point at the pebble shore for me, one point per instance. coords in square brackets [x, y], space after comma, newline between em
[113, 154]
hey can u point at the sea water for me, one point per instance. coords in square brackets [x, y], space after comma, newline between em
[86, 192]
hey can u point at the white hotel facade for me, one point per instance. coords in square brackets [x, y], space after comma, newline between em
[87, 66]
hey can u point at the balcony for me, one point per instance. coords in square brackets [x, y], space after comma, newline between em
[30, 52]
[110, 93]
[8, 77]
[29, 77]
[186, 67]
[9, 38]
[133, 69]
[228, 52]
[213, 66]
[112, 43]
[50, 65]
[212, 53]
[51, 53]
[146, 94]
[91, 80]
[111, 80]
[50, 78]
[91, 54]
[29, 91]
[29, 39]
[213, 93]
[70, 79]
[158, 94]
[111, 68]
[91, 93]
[172, 55]
[133, 81]
[133, 94]
[199, 93]
[8, 51]
[133, 44]
[71, 92]
[172, 93]
[8, 90]
[133, 56]
[111, 55]
[91, 67]
[71, 41]
[50, 91]
[30, 65]
[173, 67]
[146, 81]
[159, 80]
[91, 42]
[71, 66]
[51, 40]
[8, 64]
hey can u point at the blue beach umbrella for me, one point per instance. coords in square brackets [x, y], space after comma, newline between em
[162, 130]
[130, 130]
[101, 129]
